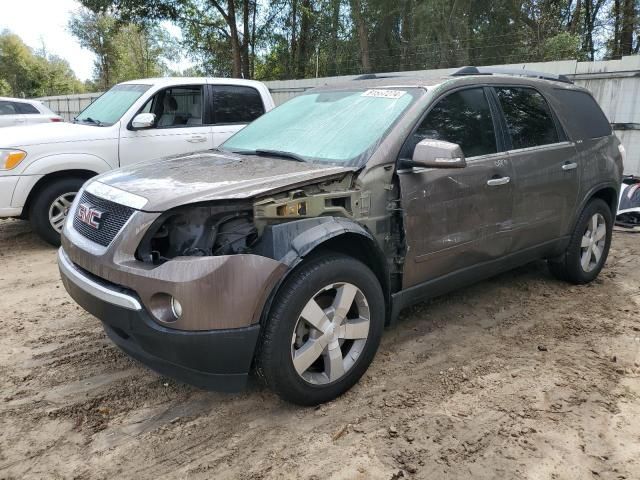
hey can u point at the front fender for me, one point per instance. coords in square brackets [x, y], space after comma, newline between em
[290, 242]
[66, 161]
[58, 163]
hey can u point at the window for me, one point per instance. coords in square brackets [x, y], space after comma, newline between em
[7, 108]
[587, 119]
[110, 106]
[27, 108]
[236, 104]
[463, 118]
[528, 117]
[177, 107]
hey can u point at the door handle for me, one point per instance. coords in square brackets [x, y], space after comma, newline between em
[197, 139]
[494, 182]
[569, 166]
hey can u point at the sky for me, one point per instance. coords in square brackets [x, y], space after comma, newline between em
[45, 21]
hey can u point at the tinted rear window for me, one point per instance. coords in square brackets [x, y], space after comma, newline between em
[529, 119]
[586, 117]
[27, 108]
[236, 104]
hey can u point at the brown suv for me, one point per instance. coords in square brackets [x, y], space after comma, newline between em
[288, 250]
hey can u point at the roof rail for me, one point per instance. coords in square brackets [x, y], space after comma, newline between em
[373, 76]
[510, 71]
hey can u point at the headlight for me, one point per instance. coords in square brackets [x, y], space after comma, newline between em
[11, 158]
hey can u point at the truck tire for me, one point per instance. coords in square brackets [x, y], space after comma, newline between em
[323, 331]
[50, 207]
[588, 247]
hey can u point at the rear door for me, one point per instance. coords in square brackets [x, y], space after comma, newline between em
[545, 166]
[9, 114]
[457, 218]
[181, 126]
[233, 107]
[31, 114]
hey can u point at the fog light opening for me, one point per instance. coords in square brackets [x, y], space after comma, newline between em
[176, 308]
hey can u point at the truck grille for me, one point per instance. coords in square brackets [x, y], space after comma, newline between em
[112, 218]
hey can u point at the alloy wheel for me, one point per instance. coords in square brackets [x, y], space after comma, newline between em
[59, 209]
[330, 333]
[593, 242]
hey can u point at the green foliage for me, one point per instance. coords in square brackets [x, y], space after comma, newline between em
[563, 46]
[5, 88]
[124, 51]
[24, 73]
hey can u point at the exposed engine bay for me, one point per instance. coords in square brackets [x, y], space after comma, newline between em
[228, 229]
[198, 231]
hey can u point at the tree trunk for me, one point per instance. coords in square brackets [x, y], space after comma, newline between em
[253, 40]
[628, 23]
[245, 38]
[575, 19]
[407, 35]
[303, 43]
[617, 26]
[363, 35]
[332, 69]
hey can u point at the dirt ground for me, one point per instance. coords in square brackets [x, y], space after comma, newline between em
[520, 376]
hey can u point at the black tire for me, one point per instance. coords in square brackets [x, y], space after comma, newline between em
[568, 267]
[274, 363]
[39, 211]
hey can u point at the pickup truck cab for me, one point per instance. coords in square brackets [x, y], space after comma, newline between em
[43, 167]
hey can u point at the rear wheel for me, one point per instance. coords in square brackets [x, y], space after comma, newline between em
[589, 245]
[324, 330]
[50, 208]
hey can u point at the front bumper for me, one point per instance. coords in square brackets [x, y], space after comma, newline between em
[214, 359]
[7, 186]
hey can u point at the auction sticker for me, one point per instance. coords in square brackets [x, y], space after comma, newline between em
[379, 93]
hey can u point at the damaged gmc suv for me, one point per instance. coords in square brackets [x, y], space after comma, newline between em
[287, 250]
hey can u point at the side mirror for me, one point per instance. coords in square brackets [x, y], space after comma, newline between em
[436, 154]
[143, 120]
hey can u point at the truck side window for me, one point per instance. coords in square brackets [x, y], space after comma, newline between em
[528, 116]
[236, 104]
[464, 118]
[176, 107]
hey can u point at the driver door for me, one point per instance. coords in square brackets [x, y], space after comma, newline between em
[181, 126]
[456, 218]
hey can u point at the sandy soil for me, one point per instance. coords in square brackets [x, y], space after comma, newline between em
[520, 376]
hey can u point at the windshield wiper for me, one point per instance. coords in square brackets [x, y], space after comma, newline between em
[91, 120]
[279, 153]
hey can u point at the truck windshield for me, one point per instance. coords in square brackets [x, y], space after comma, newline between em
[336, 127]
[110, 106]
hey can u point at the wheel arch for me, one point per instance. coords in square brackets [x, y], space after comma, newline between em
[47, 180]
[329, 235]
[607, 192]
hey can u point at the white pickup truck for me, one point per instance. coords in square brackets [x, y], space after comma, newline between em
[43, 166]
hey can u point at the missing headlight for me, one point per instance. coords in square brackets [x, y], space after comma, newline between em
[198, 232]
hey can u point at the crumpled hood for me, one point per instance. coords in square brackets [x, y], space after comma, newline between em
[214, 175]
[49, 133]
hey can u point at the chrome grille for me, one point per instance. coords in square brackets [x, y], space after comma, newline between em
[111, 222]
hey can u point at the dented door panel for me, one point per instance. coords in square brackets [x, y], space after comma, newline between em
[453, 218]
[546, 192]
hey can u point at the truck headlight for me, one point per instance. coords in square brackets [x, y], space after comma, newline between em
[11, 158]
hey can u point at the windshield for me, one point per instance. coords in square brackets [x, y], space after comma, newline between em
[337, 127]
[110, 106]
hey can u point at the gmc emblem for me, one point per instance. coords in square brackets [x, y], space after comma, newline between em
[89, 215]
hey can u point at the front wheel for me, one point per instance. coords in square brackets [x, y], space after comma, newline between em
[324, 330]
[588, 247]
[49, 209]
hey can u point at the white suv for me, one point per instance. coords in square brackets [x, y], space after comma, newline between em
[16, 111]
[42, 167]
